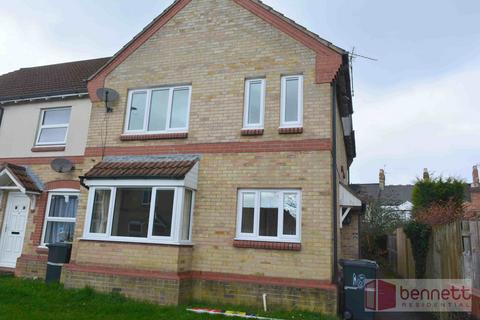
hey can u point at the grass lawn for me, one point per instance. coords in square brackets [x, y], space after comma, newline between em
[29, 299]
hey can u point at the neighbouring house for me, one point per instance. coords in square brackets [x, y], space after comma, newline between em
[44, 114]
[395, 197]
[221, 173]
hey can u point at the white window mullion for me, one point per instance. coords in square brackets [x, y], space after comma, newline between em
[280, 214]
[153, 201]
[256, 215]
[169, 109]
[111, 208]
[148, 106]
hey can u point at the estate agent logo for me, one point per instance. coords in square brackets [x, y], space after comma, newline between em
[418, 295]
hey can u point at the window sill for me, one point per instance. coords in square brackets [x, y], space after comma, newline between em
[252, 132]
[295, 130]
[285, 246]
[48, 149]
[141, 242]
[160, 136]
[41, 250]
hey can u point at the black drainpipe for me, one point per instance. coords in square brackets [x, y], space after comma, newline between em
[334, 182]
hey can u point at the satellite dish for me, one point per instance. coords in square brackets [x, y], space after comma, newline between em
[108, 96]
[62, 165]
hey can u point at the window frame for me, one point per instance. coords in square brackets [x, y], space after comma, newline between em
[299, 122]
[256, 217]
[246, 107]
[173, 239]
[41, 126]
[46, 218]
[147, 112]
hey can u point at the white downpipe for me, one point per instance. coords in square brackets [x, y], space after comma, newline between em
[264, 296]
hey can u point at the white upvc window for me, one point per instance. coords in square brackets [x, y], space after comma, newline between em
[159, 110]
[53, 128]
[134, 213]
[269, 215]
[292, 102]
[60, 216]
[254, 108]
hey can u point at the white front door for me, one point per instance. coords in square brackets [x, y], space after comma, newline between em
[13, 231]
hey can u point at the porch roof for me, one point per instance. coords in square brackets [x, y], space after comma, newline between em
[149, 167]
[13, 177]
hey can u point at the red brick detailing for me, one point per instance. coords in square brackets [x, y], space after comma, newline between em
[290, 130]
[41, 250]
[267, 245]
[199, 275]
[226, 147]
[39, 160]
[251, 132]
[287, 282]
[29, 257]
[162, 136]
[47, 149]
[328, 61]
[62, 184]
[99, 79]
[39, 218]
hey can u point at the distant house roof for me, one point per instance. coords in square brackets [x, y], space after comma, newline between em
[392, 195]
[50, 80]
[161, 167]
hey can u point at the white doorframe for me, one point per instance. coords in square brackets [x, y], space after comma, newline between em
[6, 217]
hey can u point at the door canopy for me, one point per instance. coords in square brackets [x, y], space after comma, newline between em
[18, 178]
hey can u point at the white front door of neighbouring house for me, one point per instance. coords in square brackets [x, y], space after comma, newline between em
[13, 230]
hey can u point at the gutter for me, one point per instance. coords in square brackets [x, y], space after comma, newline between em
[334, 183]
[46, 98]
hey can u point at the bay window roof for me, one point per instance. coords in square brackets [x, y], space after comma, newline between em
[174, 167]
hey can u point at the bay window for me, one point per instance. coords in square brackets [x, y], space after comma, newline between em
[292, 102]
[135, 213]
[158, 110]
[269, 215]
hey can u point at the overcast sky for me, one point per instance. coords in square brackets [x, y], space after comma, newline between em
[414, 108]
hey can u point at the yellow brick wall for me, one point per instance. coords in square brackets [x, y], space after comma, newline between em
[215, 45]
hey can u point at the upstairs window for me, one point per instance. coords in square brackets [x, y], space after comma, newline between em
[158, 110]
[254, 103]
[53, 126]
[269, 215]
[292, 102]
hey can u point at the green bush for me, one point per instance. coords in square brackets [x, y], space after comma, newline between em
[419, 235]
[437, 191]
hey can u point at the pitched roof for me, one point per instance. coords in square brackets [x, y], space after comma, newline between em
[327, 68]
[392, 195]
[50, 80]
[22, 176]
[164, 167]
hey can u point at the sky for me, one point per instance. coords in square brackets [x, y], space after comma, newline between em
[415, 107]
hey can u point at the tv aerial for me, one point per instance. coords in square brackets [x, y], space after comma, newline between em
[108, 96]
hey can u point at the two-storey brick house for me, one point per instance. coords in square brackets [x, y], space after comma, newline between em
[221, 173]
[44, 115]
